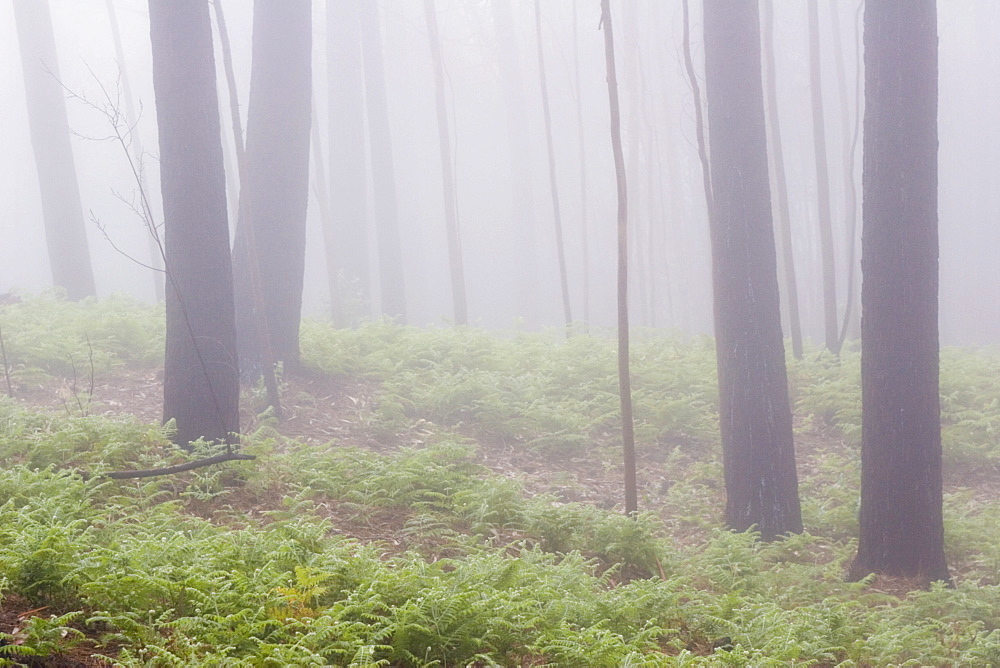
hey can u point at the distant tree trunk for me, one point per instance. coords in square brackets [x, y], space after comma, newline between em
[902, 530]
[582, 139]
[755, 416]
[699, 120]
[777, 155]
[200, 378]
[447, 173]
[553, 181]
[271, 231]
[347, 246]
[520, 247]
[852, 314]
[624, 374]
[132, 118]
[831, 320]
[383, 168]
[239, 149]
[62, 212]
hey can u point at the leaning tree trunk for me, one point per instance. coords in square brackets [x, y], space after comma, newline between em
[271, 232]
[553, 181]
[447, 173]
[902, 528]
[624, 374]
[390, 254]
[754, 410]
[200, 377]
[62, 212]
[777, 156]
[582, 140]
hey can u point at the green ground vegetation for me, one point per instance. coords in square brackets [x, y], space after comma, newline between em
[401, 542]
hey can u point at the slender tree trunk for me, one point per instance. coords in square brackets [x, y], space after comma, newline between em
[584, 240]
[831, 320]
[271, 232]
[325, 213]
[624, 374]
[902, 528]
[62, 211]
[447, 173]
[383, 168]
[132, 118]
[755, 414]
[851, 317]
[200, 378]
[699, 120]
[777, 155]
[347, 245]
[553, 181]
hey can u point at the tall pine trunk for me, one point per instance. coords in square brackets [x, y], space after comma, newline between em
[755, 415]
[200, 377]
[62, 211]
[271, 232]
[901, 522]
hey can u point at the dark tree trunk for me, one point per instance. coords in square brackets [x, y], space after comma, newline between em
[62, 212]
[831, 329]
[390, 253]
[902, 530]
[347, 250]
[553, 181]
[624, 374]
[777, 155]
[447, 172]
[755, 416]
[200, 378]
[271, 232]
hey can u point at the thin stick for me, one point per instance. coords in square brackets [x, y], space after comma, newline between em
[180, 468]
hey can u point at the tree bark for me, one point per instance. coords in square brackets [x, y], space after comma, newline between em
[624, 374]
[62, 211]
[271, 232]
[459, 304]
[390, 253]
[901, 522]
[777, 155]
[201, 381]
[754, 410]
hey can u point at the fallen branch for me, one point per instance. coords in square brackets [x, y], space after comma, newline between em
[180, 468]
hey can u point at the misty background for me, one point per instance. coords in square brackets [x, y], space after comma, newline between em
[669, 236]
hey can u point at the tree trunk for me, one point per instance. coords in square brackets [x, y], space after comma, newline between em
[132, 118]
[553, 181]
[200, 378]
[347, 246]
[831, 321]
[390, 254]
[271, 232]
[902, 530]
[777, 156]
[624, 374]
[755, 416]
[447, 173]
[62, 211]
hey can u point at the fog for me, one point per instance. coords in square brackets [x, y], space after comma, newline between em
[670, 250]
